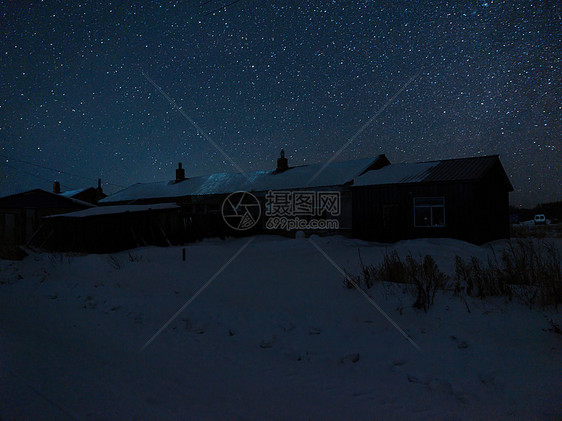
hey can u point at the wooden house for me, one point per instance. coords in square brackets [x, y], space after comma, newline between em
[106, 229]
[465, 198]
[20, 214]
[203, 196]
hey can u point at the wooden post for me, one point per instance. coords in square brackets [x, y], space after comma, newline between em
[183, 254]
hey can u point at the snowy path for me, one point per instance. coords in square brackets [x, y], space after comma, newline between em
[275, 336]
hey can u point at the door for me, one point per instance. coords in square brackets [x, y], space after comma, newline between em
[391, 223]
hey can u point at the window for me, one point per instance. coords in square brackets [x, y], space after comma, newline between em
[429, 212]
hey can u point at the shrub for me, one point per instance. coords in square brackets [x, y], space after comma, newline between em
[534, 266]
[489, 280]
[527, 269]
[351, 281]
[424, 277]
[427, 279]
[463, 276]
[392, 269]
[134, 257]
[368, 273]
[114, 262]
[551, 283]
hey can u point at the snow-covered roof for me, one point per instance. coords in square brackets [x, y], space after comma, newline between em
[335, 173]
[71, 193]
[112, 210]
[396, 173]
[459, 169]
[39, 198]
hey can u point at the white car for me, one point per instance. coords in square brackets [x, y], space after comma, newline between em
[540, 219]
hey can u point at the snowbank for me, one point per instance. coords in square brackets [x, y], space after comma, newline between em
[274, 336]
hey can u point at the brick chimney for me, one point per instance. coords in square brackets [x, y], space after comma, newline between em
[56, 187]
[180, 173]
[282, 163]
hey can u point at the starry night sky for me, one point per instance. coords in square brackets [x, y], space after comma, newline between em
[259, 76]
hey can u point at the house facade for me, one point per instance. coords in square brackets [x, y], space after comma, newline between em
[107, 229]
[203, 196]
[21, 214]
[466, 199]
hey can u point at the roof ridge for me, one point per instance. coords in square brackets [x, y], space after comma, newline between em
[453, 159]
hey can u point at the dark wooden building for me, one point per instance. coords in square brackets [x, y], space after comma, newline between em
[465, 198]
[20, 214]
[107, 229]
[203, 196]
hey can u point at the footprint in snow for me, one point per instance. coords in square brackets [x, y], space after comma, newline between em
[89, 302]
[306, 356]
[288, 326]
[267, 342]
[350, 358]
[460, 344]
[488, 377]
[398, 362]
[421, 378]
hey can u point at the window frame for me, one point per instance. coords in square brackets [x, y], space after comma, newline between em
[431, 207]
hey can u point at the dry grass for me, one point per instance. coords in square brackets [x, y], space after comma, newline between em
[422, 277]
[528, 269]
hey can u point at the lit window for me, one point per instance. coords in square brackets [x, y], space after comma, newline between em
[429, 211]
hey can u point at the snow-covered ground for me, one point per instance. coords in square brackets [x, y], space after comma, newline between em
[274, 336]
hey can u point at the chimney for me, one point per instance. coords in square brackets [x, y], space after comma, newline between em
[180, 173]
[56, 187]
[282, 163]
[99, 192]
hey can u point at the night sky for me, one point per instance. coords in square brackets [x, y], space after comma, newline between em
[484, 78]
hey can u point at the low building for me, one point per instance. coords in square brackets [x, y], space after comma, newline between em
[20, 214]
[204, 195]
[465, 198]
[107, 229]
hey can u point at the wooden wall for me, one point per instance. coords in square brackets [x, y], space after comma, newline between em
[477, 212]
